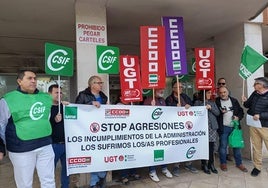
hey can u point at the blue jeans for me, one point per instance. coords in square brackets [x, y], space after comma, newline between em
[223, 147]
[95, 177]
[60, 154]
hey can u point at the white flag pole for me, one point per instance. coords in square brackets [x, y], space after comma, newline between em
[59, 94]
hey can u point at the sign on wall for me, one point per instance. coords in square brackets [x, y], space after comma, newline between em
[91, 33]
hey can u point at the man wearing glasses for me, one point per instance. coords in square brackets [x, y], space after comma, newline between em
[93, 95]
[257, 105]
[221, 82]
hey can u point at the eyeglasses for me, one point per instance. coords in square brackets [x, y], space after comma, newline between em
[221, 83]
[98, 83]
[256, 83]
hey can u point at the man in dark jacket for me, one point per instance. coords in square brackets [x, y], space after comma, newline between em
[178, 98]
[94, 96]
[257, 105]
[230, 110]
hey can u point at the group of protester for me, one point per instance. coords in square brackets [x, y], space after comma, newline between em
[32, 128]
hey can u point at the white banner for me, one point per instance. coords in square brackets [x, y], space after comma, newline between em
[123, 136]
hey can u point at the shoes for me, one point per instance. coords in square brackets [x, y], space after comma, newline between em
[102, 182]
[205, 169]
[135, 176]
[167, 173]
[242, 168]
[255, 172]
[124, 180]
[176, 171]
[223, 167]
[212, 168]
[154, 176]
[228, 157]
[94, 186]
[191, 168]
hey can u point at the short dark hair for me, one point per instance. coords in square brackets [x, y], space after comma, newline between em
[52, 86]
[21, 73]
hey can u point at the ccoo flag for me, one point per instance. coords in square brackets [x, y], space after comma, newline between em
[251, 60]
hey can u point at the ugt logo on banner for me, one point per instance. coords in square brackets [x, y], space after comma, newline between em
[58, 60]
[108, 59]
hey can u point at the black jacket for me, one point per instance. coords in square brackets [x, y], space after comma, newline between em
[171, 100]
[2, 146]
[86, 97]
[258, 104]
[237, 111]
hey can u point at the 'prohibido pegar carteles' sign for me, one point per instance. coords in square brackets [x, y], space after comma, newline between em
[59, 60]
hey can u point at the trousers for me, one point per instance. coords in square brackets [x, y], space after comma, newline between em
[257, 137]
[24, 164]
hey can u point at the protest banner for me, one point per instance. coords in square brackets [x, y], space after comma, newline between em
[127, 136]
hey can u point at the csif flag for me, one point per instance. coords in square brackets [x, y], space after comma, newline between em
[251, 60]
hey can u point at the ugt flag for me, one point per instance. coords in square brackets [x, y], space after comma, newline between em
[251, 60]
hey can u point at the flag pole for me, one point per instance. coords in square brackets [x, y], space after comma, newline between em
[153, 97]
[204, 97]
[59, 89]
[243, 89]
[178, 90]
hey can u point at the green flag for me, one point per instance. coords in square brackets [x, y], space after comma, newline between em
[58, 60]
[251, 60]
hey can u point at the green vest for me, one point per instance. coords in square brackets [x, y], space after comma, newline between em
[30, 113]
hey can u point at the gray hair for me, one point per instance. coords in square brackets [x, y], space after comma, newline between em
[263, 81]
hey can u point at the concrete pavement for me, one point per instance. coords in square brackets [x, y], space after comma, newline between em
[233, 178]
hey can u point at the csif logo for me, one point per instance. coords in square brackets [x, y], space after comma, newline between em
[37, 111]
[157, 113]
[59, 60]
[190, 152]
[108, 59]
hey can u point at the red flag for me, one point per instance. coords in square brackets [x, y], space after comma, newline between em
[152, 42]
[204, 58]
[130, 78]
